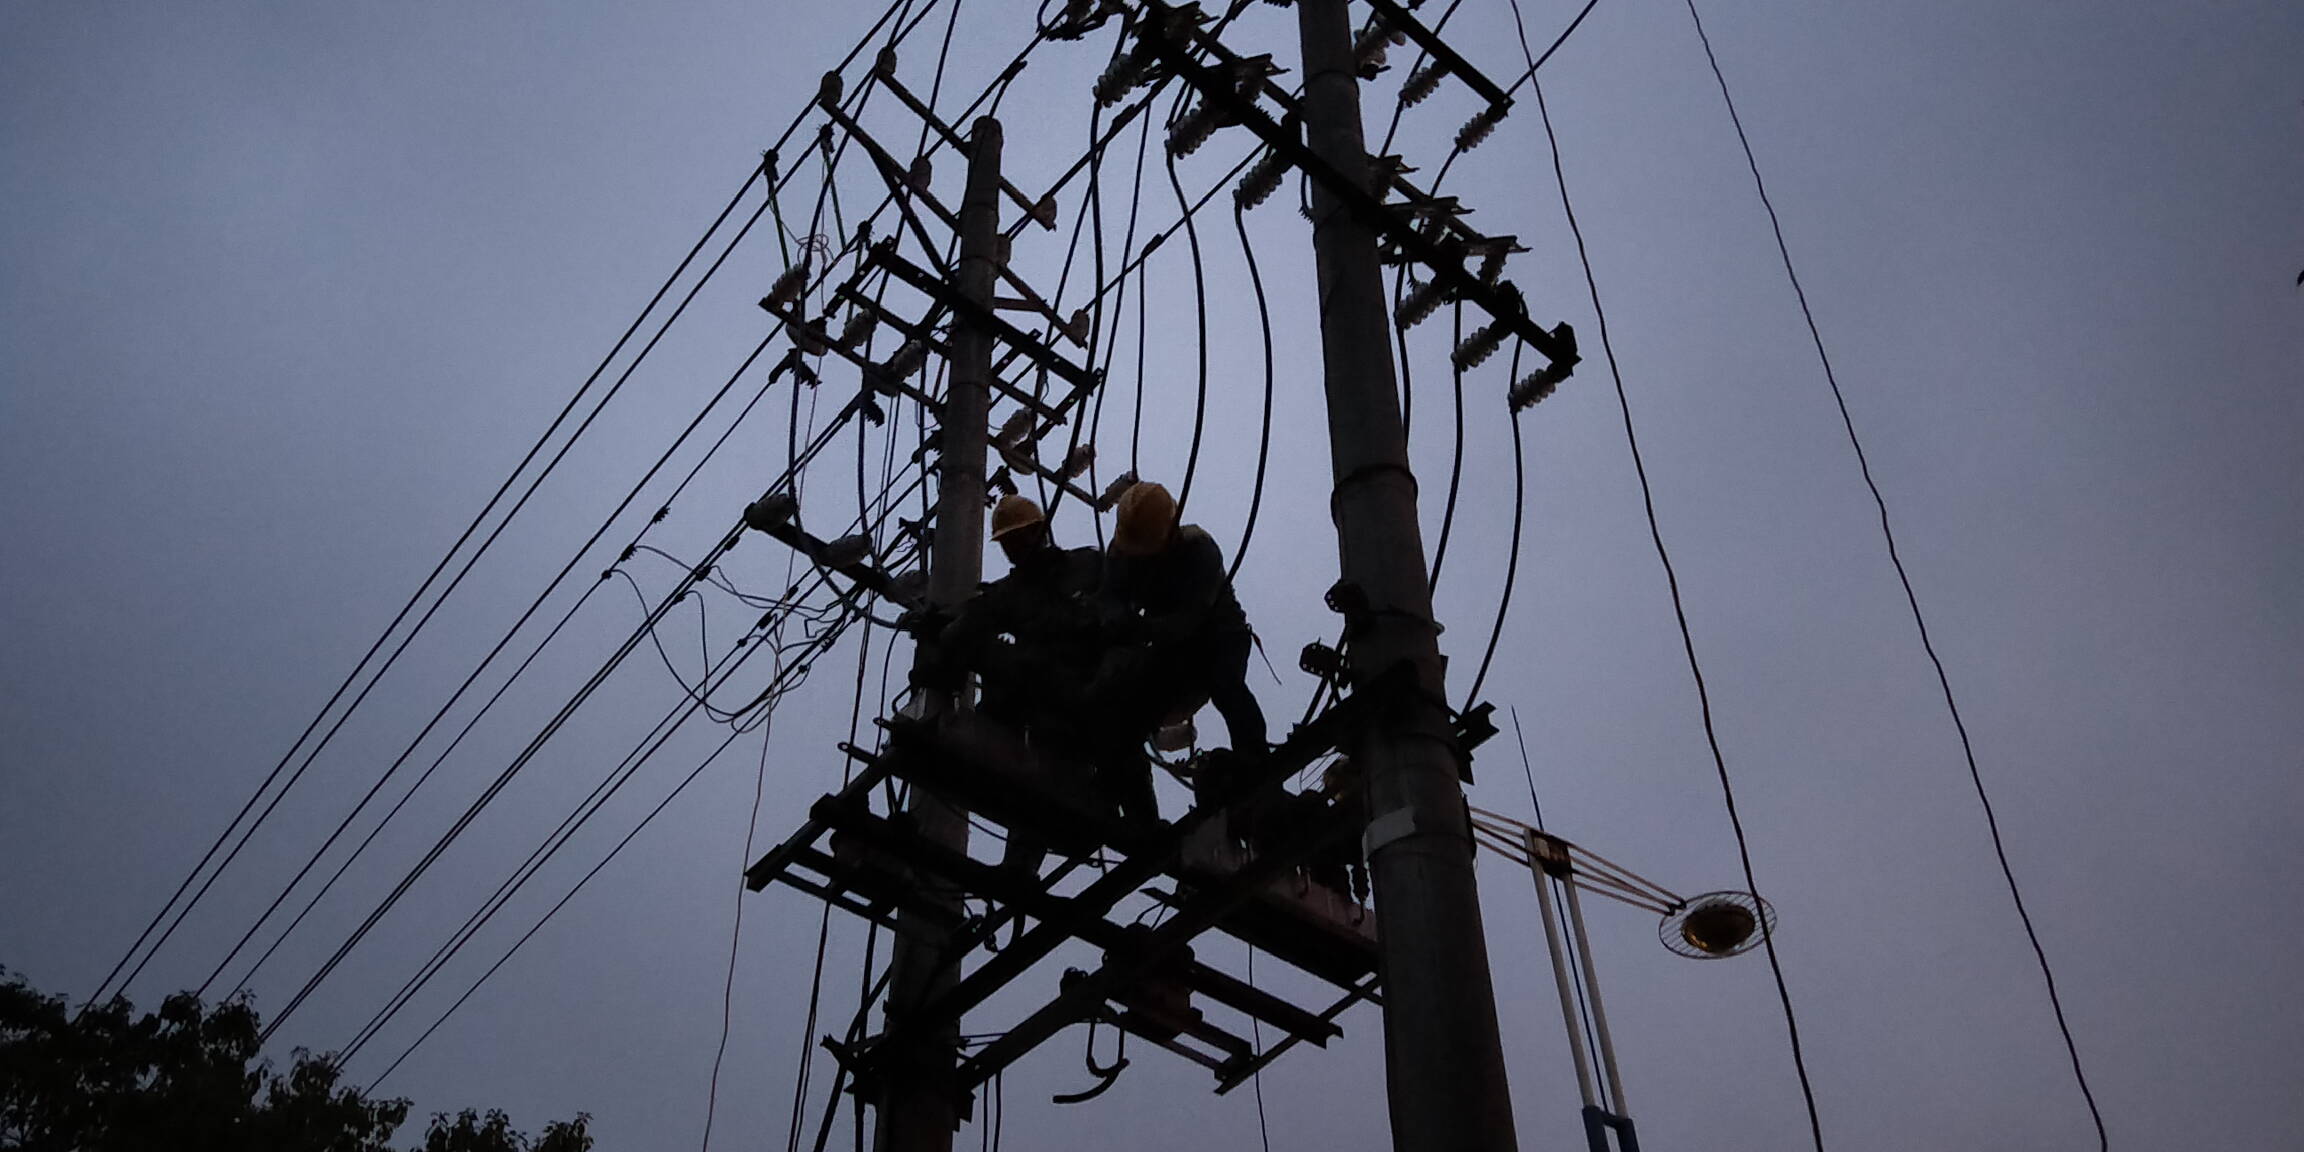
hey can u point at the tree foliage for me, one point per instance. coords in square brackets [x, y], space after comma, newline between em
[187, 1078]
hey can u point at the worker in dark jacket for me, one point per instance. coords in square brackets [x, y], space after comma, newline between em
[1174, 621]
[1031, 638]
[1031, 634]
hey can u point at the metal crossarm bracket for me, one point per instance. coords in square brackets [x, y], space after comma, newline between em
[867, 577]
[1041, 212]
[1081, 379]
[1144, 859]
[1196, 915]
[874, 377]
[1501, 301]
[1400, 18]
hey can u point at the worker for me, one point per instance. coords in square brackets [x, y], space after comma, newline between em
[1030, 637]
[1030, 634]
[1178, 630]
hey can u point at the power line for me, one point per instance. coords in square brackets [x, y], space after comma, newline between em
[1263, 436]
[736, 937]
[585, 809]
[401, 615]
[555, 909]
[1512, 550]
[1680, 615]
[1904, 579]
[415, 598]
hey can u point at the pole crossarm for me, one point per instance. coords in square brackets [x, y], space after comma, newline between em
[1500, 300]
[1400, 19]
[1082, 380]
[1141, 958]
[1041, 211]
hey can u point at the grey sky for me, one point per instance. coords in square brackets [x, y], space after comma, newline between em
[286, 289]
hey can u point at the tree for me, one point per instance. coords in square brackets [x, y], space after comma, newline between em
[106, 1080]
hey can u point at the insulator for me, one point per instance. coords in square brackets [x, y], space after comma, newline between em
[768, 164]
[1079, 327]
[907, 360]
[860, 328]
[810, 338]
[885, 63]
[1373, 38]
[847, 550]
[1479, 127]
[920, 174]
[1535, 386]
[1044, 212]
[1418, 305]
[786, 291]
[1017, 457]
[1479, 346]
[1492, 265]
[1111, 494]
[1422, 83]
[1014, 429]
[1076, 464]
[770, 510]
[1261, 181]
[829, 89]
[1372, 62]
[1118, 79]
[997, 485]
[1192, 131]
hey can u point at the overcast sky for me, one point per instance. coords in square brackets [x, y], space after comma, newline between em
[286, 290]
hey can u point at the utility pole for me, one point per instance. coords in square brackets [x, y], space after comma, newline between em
[1443, 1058]
[917, 1108]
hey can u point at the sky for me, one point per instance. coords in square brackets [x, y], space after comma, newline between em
[287, 290]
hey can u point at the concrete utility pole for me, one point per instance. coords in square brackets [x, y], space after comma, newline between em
[1443, 1059]
[918, 1105]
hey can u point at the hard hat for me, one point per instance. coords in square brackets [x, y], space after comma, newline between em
[1145, 517]
[1015, 513]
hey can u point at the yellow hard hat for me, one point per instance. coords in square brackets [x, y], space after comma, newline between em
[1015, 513]
[1145, 516]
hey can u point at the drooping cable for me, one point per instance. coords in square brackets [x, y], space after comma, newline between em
[444, 1017]
[1512, 552]
[551, 727]
[1904, 580]
[735, 945]
[585, 810]
[1680, 616]
[1200, 321]
[1264, 436]
[1455, 456]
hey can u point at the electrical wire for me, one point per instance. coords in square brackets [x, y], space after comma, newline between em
[1199, 318]
[1264, 436]
[1904, 580]
[650, 749]
[1512, 550]
[735, 944]
[1455, 457]
[445, 560]
[1680, 615]
[615, 780]
[555, 909]
[415, 598]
